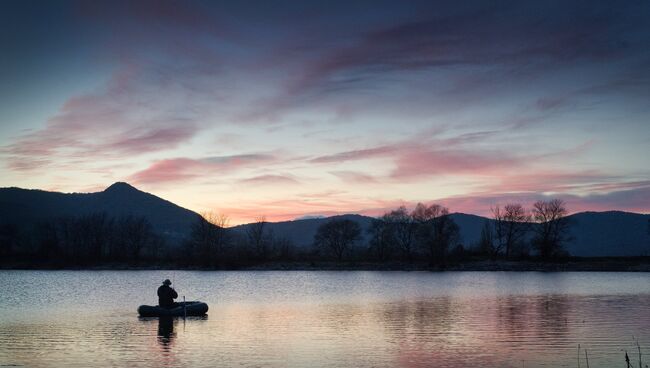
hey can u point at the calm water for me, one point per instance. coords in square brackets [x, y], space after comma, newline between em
[326, 319]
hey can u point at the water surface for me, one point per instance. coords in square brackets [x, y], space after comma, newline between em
[326, 319]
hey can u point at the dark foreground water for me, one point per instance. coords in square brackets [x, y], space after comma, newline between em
[326, 319]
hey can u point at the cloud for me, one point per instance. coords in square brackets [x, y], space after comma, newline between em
[186, 169]
[270, 180]
[633, 200]
[480, 35]
[355, 177]
[353, 155]
[117, 120]
[427, 162]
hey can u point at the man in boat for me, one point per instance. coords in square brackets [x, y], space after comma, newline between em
[166, 295]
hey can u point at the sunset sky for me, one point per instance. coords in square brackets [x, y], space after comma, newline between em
[291, 109]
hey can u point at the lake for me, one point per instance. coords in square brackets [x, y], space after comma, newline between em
[326, 319]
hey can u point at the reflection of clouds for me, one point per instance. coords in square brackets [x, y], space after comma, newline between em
[445, 331]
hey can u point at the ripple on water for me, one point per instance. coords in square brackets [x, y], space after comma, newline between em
[324, 319]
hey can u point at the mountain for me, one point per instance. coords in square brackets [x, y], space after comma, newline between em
[301, 232]
[595, 234]
[611, 233]
[25, 206]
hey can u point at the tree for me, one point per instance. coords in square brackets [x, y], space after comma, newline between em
[486, 241]
[259, 239]
[437, 231]
[9, 236]
[381, 237]
[209, 237]
[511, 225]
[648, 230]
[337, 236]
[552, 229]
[138, 234]
[403, 228]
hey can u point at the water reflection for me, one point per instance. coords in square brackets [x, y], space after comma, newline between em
[166, 331]
[329, 322]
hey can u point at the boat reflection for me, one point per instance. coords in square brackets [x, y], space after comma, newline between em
[166, 333]
[167, 327]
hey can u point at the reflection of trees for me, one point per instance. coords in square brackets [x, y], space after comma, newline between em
[514, 315]
[519, 317]
[552, 315]
[415, 320]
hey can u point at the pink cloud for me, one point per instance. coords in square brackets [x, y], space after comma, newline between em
[426, 162]
[182, 169]
[106, 124]
[355, 177]
[270, 180]
[356, 154]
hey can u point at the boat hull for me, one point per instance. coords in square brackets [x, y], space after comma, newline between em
[195, 308]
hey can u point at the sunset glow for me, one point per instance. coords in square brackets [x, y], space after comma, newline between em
[292, 109]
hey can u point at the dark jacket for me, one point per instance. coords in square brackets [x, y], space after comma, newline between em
[166, 296]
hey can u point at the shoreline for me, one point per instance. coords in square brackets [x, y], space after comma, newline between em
[638, 264]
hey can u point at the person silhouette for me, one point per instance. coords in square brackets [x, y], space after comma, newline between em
[166, 295]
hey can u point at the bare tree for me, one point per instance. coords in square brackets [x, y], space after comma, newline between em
[258, 238]
[486, 242]
[337, 236]
[138, 234]
[648, 230]
[403, 229]
[381, 237]
[9, 238]
[284, 247]
[511, 225]
[437, 231]
[552, 229]
[209, 237]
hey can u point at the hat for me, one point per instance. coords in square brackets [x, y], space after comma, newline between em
[167, 282]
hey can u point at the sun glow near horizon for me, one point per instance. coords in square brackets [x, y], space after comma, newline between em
[244, 111]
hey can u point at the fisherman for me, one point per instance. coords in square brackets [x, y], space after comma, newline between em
[166, 295]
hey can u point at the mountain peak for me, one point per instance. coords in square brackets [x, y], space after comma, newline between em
[120, 186]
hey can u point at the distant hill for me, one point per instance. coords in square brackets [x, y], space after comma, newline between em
[611, 233]
[301, 232]
[26, 206]
[595, 234]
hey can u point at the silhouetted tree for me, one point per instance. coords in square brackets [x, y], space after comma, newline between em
[511, 225]
[337, 236]
[437, 231]
[259, 239]
[382, 237]
[138, 235]
[648, 230]
[284, 247]
[486, 242]
[9, 237]
[94, 232]
[403, 229]
[552, 229]
[48, 239]
[209, 237]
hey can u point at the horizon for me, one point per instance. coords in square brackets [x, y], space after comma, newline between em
[320, 108]
[409, 206]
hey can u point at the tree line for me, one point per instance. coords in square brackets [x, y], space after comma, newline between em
[430, 234]
[426, 235]
[90, 239]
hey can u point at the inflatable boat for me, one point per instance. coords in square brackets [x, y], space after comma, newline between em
[195, 308]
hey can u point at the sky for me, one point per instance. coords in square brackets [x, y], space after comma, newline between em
[287, 109]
